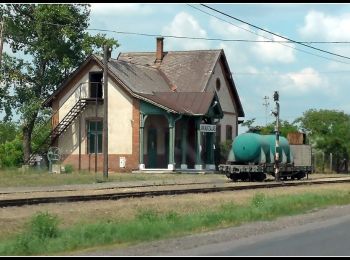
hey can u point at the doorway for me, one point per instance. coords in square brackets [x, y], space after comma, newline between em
[152, 148]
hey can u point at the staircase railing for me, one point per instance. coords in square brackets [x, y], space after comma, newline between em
[66, 121]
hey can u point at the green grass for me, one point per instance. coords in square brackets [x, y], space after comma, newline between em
[151, 225]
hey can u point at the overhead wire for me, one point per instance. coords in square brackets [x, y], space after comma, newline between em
[250, 31]
[203, 38]
[275, 34]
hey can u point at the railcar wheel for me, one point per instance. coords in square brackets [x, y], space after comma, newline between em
[233, 177]
[300, 175]
[259, 177]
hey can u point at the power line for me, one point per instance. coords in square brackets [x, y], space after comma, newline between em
[347, 72]
[310, 53]
[212, 39]
[203, 38]
[257, 27]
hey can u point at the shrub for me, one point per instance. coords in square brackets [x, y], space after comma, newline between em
[222, 151]
[44, 225]
[11, 153]
[68, 168]
[258, 200]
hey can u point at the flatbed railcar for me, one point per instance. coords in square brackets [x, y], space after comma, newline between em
[252, 158]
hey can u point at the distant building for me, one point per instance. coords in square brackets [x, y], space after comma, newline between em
[162, 107]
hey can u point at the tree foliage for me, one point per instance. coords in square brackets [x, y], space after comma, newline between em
[11, 152]
[328, 130]
[285, 127]
[8, 131]
[10, 145]
[54, 38]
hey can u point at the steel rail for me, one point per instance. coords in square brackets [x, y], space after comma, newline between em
[152, 193]
[139, 186]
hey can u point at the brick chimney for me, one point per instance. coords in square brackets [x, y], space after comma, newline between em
[159, 53]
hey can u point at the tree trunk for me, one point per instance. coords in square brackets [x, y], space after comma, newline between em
[27, 140]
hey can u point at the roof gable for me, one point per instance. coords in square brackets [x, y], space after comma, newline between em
[187, 71]
[232, 88]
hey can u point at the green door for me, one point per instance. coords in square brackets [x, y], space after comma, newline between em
[152, 148]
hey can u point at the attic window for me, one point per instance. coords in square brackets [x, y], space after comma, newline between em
[95, 79]
[218, 84]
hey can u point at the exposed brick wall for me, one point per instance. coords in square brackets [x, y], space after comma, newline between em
[132, 160]
[135, 158]
[88, 162]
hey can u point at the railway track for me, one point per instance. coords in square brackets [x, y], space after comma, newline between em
[113, 187]
[133, 186]
[152, 193]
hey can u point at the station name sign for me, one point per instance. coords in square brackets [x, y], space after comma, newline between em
[207, 128]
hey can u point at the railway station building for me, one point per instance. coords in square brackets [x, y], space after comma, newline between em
[166, 110]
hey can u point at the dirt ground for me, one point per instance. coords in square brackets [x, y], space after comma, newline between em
[13, 219]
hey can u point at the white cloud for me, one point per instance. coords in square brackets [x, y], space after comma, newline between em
[230, 31]
[306, 81]
[236, 57]
[265, 52]
[125, 9]
[184, 24]
[272, 52]
[326, 27]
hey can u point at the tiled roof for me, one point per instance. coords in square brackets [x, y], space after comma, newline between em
[140, 79]
[188, 103]
[188, 71]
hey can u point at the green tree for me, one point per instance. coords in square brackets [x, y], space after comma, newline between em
[8, 131]
[54, 37]
[11, 154]
[284, 128]
[328, 130]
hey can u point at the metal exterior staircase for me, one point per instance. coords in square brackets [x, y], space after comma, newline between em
[68, 119]
[59, 129]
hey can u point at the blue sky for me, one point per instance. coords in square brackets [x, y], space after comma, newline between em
[304, 81]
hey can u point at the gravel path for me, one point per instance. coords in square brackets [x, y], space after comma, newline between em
[170, 246]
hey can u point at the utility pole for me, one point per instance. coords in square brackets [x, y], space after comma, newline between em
[276, 113]
[1, 37]
[106, 55]
[266, 104]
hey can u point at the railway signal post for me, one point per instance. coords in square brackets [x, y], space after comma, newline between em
[276, 113]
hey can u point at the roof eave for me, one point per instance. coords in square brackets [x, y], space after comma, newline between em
[233, 86]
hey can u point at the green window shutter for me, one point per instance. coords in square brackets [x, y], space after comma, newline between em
[99, 125]
[95, 129]
[91, 143]
[99, 142]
